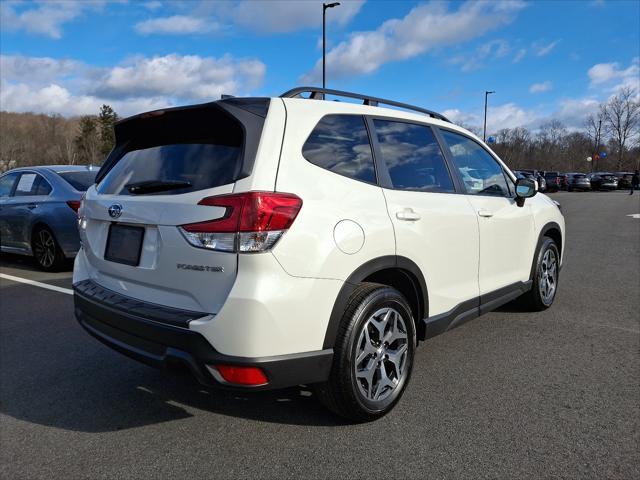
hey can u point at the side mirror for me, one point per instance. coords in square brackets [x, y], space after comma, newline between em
[525, 188]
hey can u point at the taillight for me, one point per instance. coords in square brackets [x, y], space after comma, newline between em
[252, 222]
[74, 205]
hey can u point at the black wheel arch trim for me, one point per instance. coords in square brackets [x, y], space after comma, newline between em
[361, 273]
[541, 236]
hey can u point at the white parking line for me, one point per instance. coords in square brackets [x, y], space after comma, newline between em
[68, 291]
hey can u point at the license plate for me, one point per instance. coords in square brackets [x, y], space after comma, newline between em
[124, 244]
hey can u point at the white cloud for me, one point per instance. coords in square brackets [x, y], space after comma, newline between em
[541, 87]
[542, 50]
[570, 111]
[275, 16]
[188, 76]
[281, 16]
[424, 28]
[17, 67]
[614, 77]
[153, 5]
[69, 87]
[520, 55]
[493, 49]
[44, 17]
[176, 25]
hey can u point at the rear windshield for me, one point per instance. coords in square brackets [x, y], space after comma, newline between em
[81, 181]
[579, 176]
[176, 152]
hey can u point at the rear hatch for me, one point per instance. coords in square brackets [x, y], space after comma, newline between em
[163, 165]
[580, 179]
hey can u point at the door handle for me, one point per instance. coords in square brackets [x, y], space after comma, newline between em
[31, 206]
[407, 215]
[485, 213]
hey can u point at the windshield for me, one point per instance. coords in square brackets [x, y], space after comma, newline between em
[79, 180]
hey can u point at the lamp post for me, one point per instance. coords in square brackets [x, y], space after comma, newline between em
[484, 131]
[324, 37]
[597, 145]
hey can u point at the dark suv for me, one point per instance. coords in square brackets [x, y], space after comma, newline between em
[624, 179]
[554, 182]
[603, 181]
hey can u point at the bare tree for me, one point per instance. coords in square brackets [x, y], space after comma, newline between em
[593, 126]
[622, 120]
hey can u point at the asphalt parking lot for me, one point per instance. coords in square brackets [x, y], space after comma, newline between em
[509, 395]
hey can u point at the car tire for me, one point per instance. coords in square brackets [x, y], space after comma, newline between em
[545, 277]
[46, 251]
[369, 375]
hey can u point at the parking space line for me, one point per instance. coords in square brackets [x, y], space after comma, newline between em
[68, 291]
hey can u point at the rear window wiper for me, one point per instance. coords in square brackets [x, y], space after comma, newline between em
[153, 186]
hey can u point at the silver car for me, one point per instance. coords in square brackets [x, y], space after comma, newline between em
[38, 208]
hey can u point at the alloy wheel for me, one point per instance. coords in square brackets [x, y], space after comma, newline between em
[381, 354]
[45, 248]
[548, 276]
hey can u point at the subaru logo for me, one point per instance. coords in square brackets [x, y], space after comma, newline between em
[115, 210]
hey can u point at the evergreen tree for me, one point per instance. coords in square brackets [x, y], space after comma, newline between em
[88, 142]
[106, 119]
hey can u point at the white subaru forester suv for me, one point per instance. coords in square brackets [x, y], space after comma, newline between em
[271, 242]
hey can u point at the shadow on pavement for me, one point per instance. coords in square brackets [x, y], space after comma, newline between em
[27, 263]
[54, 374]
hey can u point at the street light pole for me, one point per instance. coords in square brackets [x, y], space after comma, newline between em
[484, 130]
[324, 37]
[595, 150]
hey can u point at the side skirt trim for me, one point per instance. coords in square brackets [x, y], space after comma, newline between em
[473, 308]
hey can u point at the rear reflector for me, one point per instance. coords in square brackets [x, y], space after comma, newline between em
[252, 222]
[242, 375]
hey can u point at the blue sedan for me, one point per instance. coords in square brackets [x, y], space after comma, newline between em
[38, 211]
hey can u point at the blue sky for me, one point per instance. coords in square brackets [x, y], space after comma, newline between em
[545, 59]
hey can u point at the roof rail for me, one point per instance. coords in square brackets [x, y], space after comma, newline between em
[318, 93]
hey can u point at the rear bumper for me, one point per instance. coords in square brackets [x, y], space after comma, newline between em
[159, 336]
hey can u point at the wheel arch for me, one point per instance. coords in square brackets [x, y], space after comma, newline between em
[553, 231]
[398, 272]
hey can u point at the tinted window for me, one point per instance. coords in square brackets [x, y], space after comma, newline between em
[340, 143]
[31, 184]
[80, 180]
[197, 148]
[480, 172]
[413, 157]
[6, 183]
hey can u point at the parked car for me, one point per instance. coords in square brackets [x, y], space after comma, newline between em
[578, 181]
[564, 181]
[624, 179]
[603, 181]
[38, 208]
[536, 175]
[263, 257]
[553, 181]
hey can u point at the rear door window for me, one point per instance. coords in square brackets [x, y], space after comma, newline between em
[413, 157]
[176, 152]
[31, 184]
[340, 144]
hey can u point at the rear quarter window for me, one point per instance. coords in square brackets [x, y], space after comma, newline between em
[340, 144]
[79, 180]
